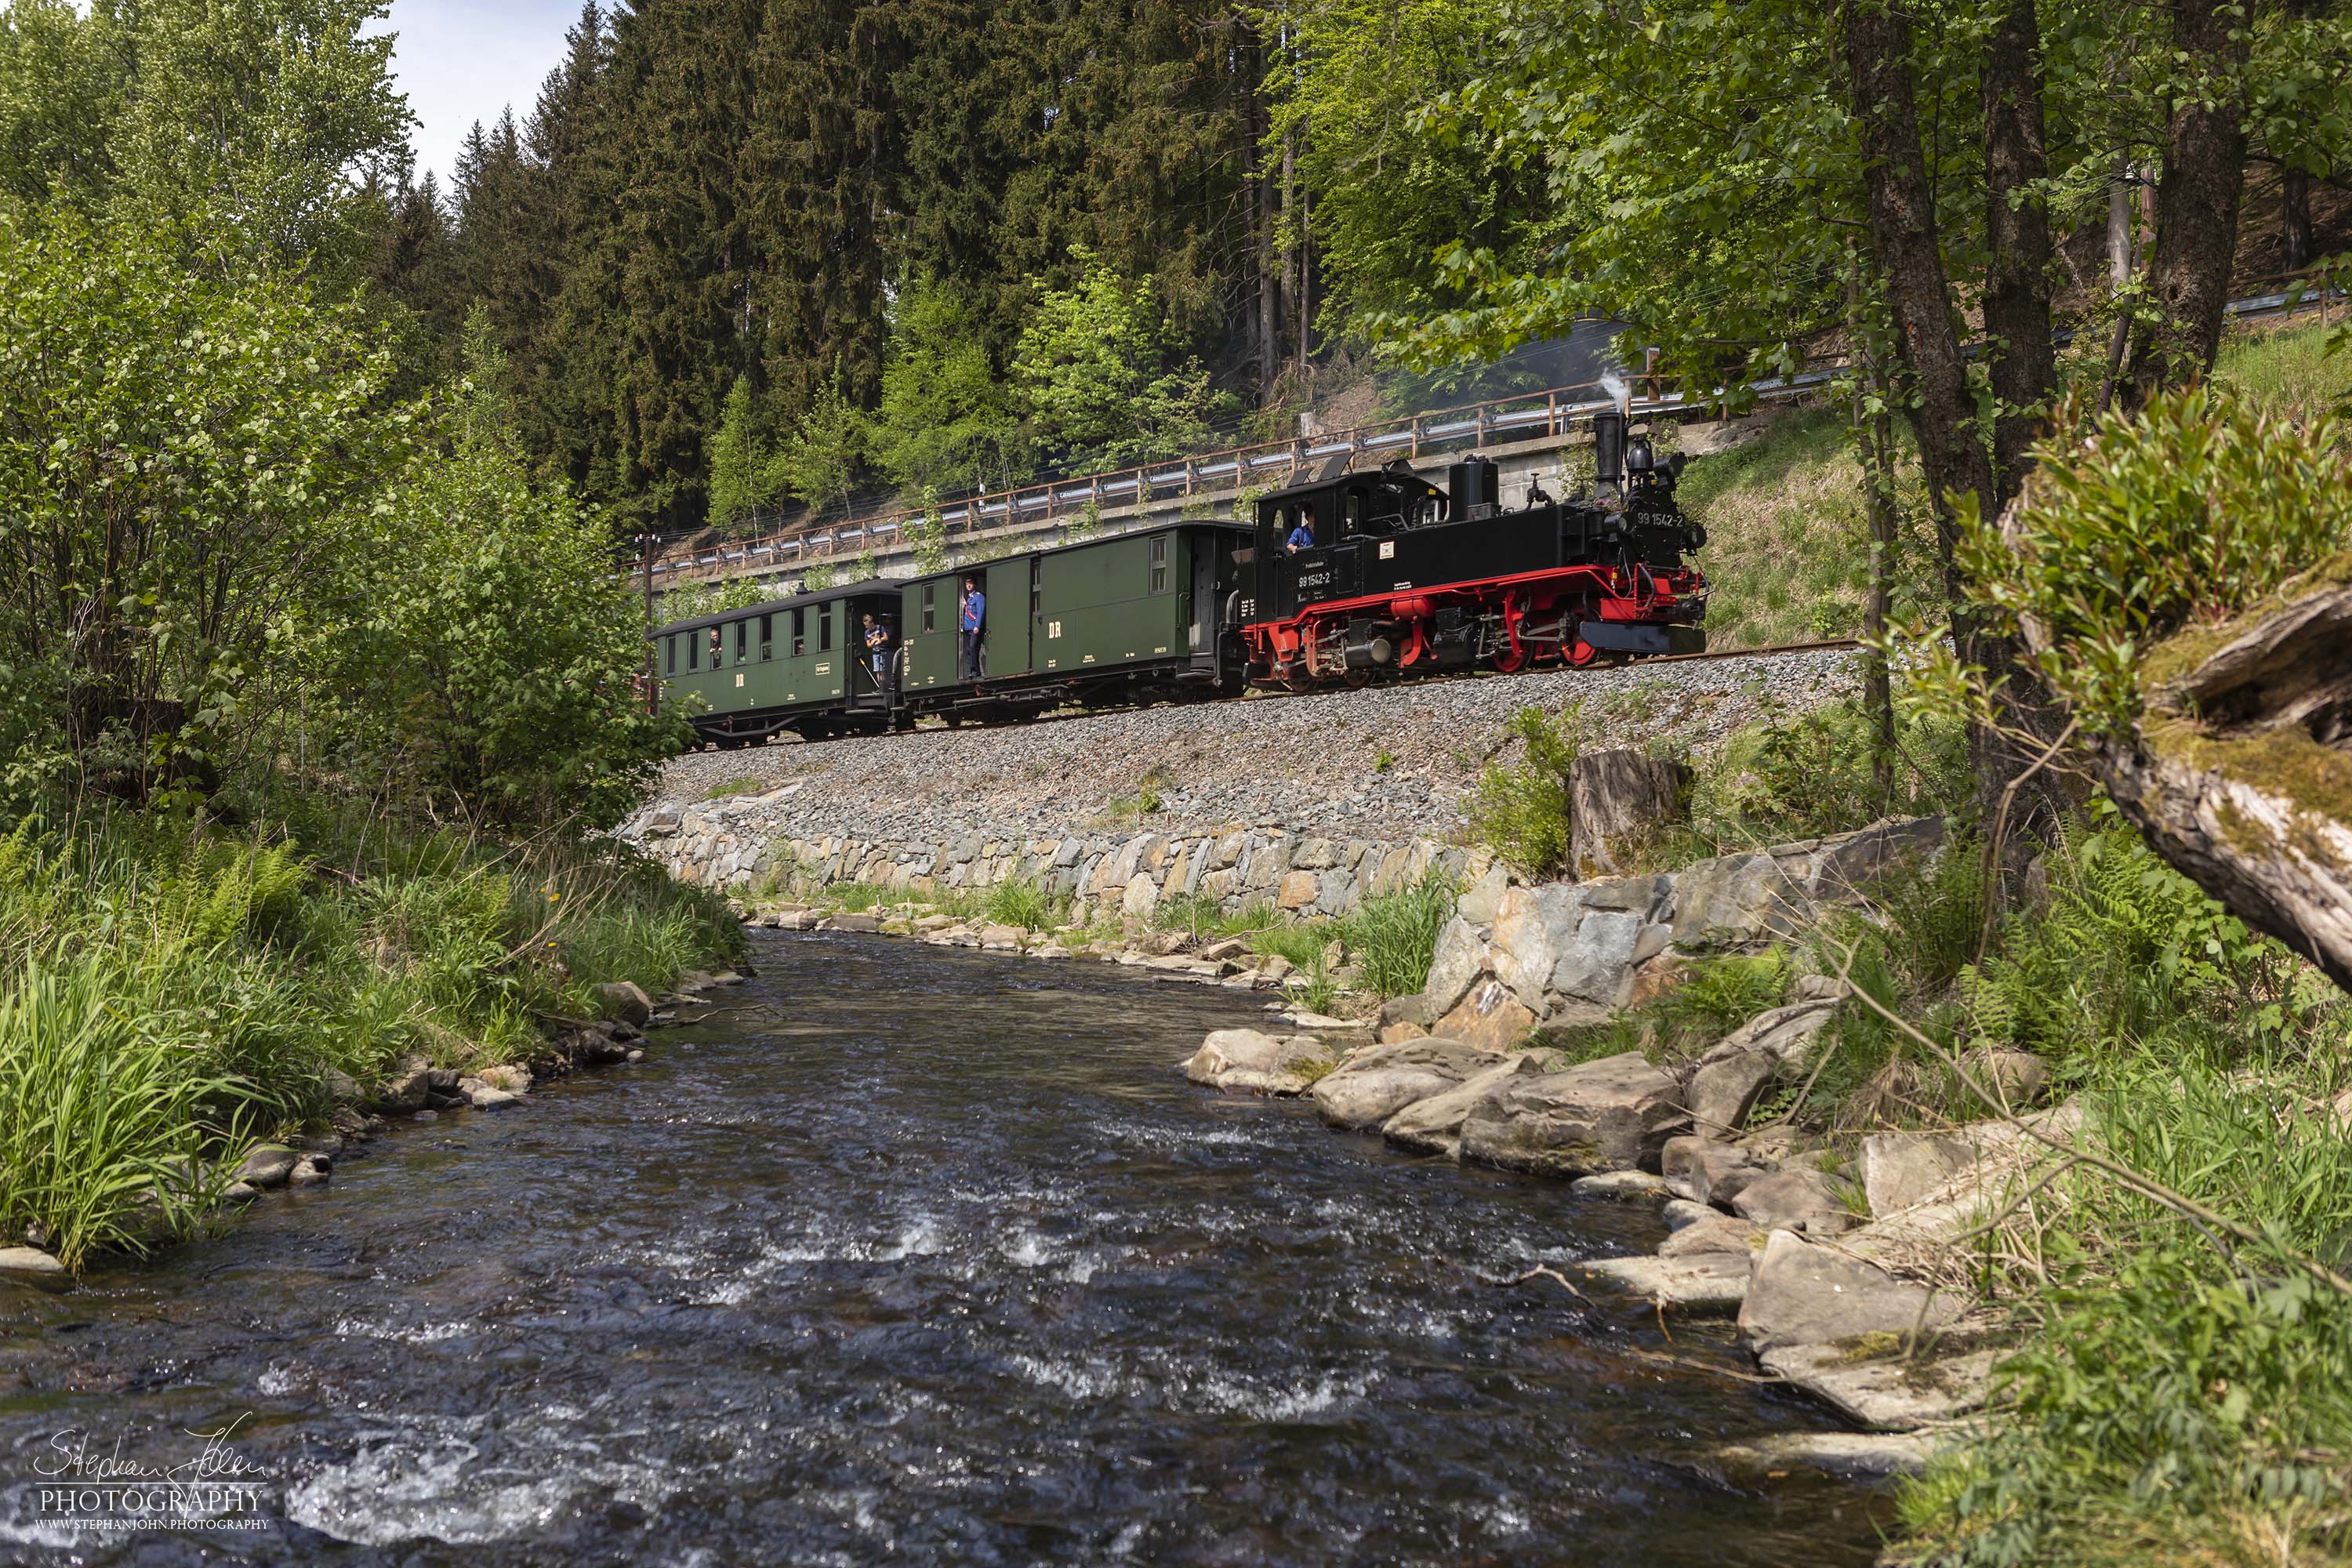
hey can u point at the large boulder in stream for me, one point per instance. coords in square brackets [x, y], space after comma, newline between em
[31, 1266]
[1805, 1294]
[1614, 1114]
[1253, 1061]
[1433, 1126]
[626, 1001]
[1373, 1085]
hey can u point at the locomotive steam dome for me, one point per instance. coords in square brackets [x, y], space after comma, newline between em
[1639, 458]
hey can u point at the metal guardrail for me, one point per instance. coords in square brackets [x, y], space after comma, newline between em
[1550, 413]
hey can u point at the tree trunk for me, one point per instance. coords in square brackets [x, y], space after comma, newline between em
[1952, 457]
[1873, 446]
[1904, 238]
[1876, 443]
[1293, 271]
[2017, 275]
[2197, 200]
[2295, 219]
[2119, 273]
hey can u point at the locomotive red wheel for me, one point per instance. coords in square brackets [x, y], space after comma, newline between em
[1581, 653]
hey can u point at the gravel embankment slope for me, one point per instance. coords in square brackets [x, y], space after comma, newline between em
[1306, 764]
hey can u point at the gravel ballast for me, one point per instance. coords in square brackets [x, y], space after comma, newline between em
[1384, 763]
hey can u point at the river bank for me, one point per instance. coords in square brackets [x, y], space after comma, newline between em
[197, 1012]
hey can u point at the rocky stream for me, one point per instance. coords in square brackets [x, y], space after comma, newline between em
[915, 1256]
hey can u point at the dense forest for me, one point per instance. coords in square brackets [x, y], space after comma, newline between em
[930, 244]
[741, 253]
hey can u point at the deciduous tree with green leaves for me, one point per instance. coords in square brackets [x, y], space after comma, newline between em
[187, 461]
[1102, 375]
[494, 663]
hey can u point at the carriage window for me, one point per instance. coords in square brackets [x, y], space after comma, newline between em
[1036, 585]
[825, 628]
[1160, 564]
[669, 656]
[930, 616]
[742, 639]
[693, 651]
[767, 638]
[1351, 514]
[800, 633]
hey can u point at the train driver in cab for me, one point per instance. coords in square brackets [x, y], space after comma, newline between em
[1303, 536]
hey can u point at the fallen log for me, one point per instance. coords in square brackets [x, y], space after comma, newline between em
[2239, 767]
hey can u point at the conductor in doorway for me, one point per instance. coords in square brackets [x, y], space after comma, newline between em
[971, 621]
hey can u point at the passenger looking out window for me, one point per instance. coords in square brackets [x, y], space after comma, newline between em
[972, 622]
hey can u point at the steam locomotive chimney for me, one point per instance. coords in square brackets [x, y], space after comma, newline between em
[1609, 446]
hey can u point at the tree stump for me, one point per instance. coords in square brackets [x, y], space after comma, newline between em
[1618, 799]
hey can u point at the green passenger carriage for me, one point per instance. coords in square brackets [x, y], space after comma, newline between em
[1131, 618]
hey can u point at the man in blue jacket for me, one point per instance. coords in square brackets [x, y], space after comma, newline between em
[971, 620]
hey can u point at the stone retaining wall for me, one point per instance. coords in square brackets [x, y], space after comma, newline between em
[1107, 874]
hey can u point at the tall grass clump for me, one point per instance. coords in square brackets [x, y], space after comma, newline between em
[1797, 775]
[1029, 905]
[1393, 937]
[1302, 942]
[102, 1118]
[1520, 809]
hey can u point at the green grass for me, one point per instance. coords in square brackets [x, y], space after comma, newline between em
[2287, 371]
[734, 787]
[170, 991]
[102, 1118]
[1713, 997]
[1202, 917]
[1391, 938]
[1786, 536]
[1029, 905]
[1301, 942]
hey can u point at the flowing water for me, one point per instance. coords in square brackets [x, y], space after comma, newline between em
[907, 1256]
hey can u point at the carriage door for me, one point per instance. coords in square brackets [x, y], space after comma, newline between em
[1007, 587]
[1203, 607]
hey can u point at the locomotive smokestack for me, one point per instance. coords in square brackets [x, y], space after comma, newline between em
[1609, 446]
